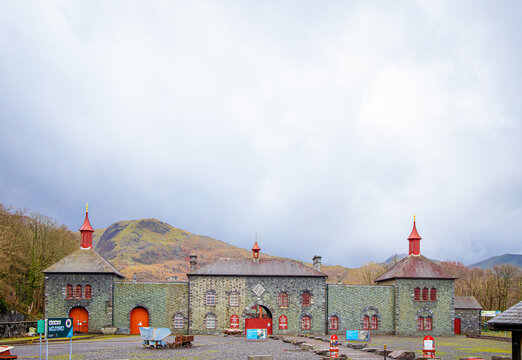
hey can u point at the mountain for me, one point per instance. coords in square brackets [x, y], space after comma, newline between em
[513, 259]
[155, 250]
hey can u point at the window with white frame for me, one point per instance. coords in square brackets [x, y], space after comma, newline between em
[210, 321]
[233, 299]
[210, 298]
[178, 321]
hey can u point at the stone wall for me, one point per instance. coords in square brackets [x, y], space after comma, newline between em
[469, 321]
[351, 302]
[13, 323]
[407, 310]
[99, 307]
[224, 285]
[162, 300]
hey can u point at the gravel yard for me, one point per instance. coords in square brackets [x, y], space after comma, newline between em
[205, 347]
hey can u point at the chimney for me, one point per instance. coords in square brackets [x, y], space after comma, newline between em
[193, 262]
[317, 263]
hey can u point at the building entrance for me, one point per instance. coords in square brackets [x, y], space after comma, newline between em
[260, 318]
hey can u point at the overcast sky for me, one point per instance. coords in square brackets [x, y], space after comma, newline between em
[323, 126]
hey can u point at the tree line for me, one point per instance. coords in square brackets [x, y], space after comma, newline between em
[29, 243]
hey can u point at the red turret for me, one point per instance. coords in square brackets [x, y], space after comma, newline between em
[414, 240]
[255, 252]
[86, 231]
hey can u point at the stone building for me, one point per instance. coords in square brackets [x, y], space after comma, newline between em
[414, 297]
[467, 315]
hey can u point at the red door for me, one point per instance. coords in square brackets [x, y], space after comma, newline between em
[80, 318]
[457, 326]
[259, 324]
[139, 318]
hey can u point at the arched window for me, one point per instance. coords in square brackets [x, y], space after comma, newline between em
[334, 322]
[420, 321]
[210, 321]
[433, 294]
[306, 299]
[429, 323]
[425, 294]
[78, 292]
[233, 299]
[374, 322]
[282, 300]
[69, 292]
[306, 323]
[366, 322]
[88, 291]
[416, 294]
[178, 321]
[210, 298]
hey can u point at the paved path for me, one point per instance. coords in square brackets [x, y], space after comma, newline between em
[325, 344]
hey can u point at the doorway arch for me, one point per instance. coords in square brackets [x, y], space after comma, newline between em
[139, 317]
[80, 317]
[259, 317]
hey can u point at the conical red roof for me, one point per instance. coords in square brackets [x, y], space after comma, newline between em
[256, 247]
[86, 224]
[414, 234]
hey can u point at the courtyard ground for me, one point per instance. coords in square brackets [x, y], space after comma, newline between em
[221, 348]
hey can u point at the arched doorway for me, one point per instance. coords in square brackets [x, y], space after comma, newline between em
[80, 318]
[259, 317]
[139, 317]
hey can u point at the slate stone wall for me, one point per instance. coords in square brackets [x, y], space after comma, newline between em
[162, 300]
[407, 310]
[351, 302]
[469, 321]
[224, 285]
[99, 307]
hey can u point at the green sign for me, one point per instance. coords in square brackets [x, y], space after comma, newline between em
[40, 327]
[59, 328]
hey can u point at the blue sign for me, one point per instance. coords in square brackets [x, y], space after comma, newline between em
[358, 335]
[256, 334]
[59, 328]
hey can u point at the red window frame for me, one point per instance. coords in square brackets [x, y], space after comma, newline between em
[282, 300]
[69, 292]
[334, 322]
[374, 325]
[416, 294]
[420, 322]
[306, 323]
[429, 323]
[88, 292]
[433, 294]
[366, 322]
[306, 299]
[78, 292]
[425, 294]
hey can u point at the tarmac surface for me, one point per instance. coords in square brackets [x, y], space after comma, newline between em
[204, 347]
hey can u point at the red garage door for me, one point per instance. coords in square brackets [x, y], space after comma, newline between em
[139, 318]
[80, 318]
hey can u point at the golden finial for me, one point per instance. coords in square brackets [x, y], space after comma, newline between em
[86, 207]
[413, 217]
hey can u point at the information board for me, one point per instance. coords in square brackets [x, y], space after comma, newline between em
[256, 334]
[59, 328]
[358, 335]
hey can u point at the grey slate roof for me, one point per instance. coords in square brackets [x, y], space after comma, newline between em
[415, 267]
[83, 261]
[511, 319]
[265, 267]
[467, 302]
